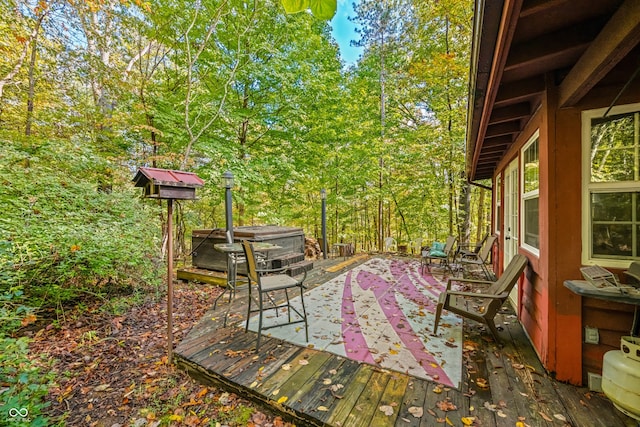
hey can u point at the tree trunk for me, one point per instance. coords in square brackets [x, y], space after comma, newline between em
[32, 79]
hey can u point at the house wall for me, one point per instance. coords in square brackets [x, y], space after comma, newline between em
[554, 317]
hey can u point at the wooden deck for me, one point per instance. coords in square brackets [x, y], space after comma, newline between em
[501, 385]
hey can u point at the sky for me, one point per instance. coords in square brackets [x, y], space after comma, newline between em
[344, 31]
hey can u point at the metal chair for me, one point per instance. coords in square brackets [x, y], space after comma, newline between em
[268, 281]
[445, 257]
[481, 307]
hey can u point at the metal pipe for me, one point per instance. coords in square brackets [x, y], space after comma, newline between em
[323, 196]
[228, 204]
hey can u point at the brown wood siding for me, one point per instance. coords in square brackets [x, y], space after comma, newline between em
[613, 321]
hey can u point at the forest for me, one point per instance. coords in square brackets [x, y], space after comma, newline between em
[91, 90]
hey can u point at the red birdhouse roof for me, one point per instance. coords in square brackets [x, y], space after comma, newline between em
[167, 177]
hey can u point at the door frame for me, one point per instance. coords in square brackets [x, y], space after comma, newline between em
[511, 222]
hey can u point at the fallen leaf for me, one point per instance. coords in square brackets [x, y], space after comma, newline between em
[283, 399]
[386, 409]
[437, 389]
[446, 405]
[326, 381]
[323, 408]
[448, 421]
[416, 411]
[28, 319]
[468, 420]
[560, 417]
[303, 362]
[545, 416]
[286, 367]
[102, 387]
[336, 387]
[490, 406]
[482, 383]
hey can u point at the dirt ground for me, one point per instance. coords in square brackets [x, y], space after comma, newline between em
[112, 370]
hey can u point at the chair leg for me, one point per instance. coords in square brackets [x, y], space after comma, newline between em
[438, 313]
[246, 327]
[304, 313]
[259, 321]
[494, 331]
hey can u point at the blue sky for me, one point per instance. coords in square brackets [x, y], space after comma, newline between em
[344, 31]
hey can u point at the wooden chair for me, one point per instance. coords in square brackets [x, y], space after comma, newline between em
[480, 258]
[269, 281]
[445, 258]
[481, 307]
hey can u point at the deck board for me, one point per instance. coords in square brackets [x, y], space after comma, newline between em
[518, 384]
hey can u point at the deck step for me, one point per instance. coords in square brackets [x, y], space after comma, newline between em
[299, 267]
[286, 259]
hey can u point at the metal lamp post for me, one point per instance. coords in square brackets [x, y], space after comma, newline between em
[227, 179]
[323, 197]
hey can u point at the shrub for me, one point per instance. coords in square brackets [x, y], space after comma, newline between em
[62, 234]
[23, 385]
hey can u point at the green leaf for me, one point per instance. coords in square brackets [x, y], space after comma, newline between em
[323, 9]
[295, 6]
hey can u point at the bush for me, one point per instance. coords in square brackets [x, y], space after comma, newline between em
[64, 232]
[23, 385]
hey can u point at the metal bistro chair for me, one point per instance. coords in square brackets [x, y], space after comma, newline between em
[481, 307]
[269, 283]
[444, 257]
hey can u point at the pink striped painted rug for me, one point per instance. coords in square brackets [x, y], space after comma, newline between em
[381, 312]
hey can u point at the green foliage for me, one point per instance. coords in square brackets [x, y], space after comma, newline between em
[321, 9]
[23, 384]
[70, 226]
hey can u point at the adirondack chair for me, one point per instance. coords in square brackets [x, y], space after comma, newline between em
[268, 282]
[444, 257]
[480, 258]
[481, 307]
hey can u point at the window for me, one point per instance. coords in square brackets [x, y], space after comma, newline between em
[611, 176]
[531, 194]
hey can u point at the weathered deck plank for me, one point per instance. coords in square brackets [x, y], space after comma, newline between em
[351, 395]
[393, 393]
[367, 404]
[518, 386]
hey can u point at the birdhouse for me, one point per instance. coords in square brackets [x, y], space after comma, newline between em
[167, 184]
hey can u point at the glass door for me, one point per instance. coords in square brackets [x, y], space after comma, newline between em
[511, 221]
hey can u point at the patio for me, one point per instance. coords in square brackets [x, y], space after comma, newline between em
[500, 386]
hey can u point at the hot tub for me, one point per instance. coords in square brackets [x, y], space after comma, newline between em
[290, 239]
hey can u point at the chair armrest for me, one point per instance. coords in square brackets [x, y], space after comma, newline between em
[477, 295]
[272, 270]
[458, 280]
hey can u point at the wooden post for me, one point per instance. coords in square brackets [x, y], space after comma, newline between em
[170, 280]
